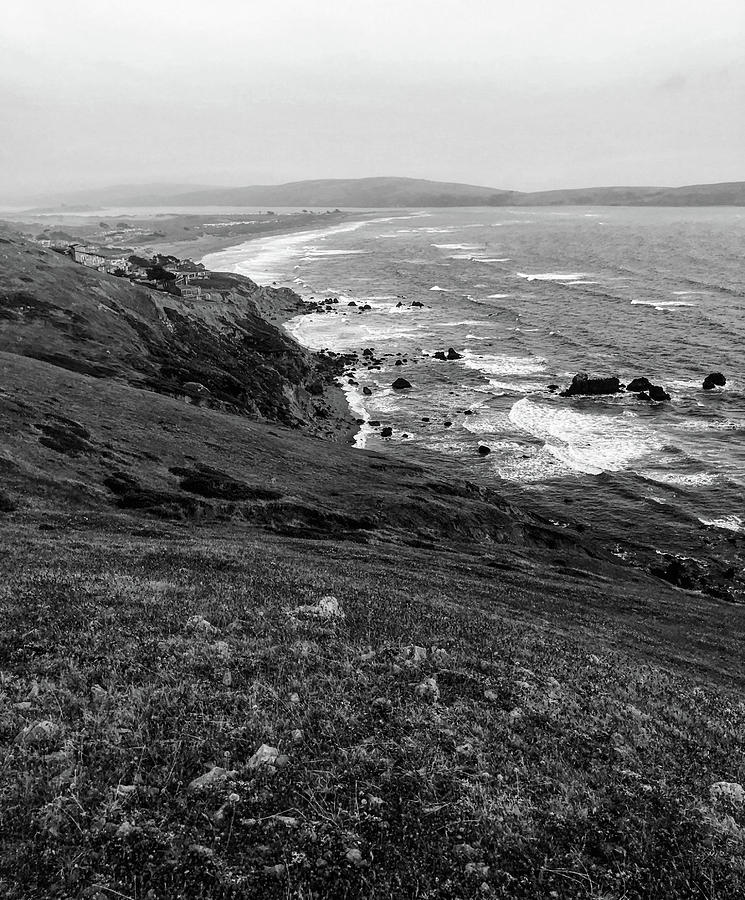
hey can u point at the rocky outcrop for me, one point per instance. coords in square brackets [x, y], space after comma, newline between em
[451, 354]
[584, 385]
[715, 379]
[400, 384]
[657, 393]
[639, 384]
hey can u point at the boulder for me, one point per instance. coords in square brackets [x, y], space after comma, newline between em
[583, 385]
[264, 756]
[417, 303]
[366, 391]
[386, 432]
[439, 355]
[727, 792]
[453, 355]
[400, 384]
[484, 450]
[715, 379]
[195, 387]
[216, 775]
[657, 393]
[639, 384]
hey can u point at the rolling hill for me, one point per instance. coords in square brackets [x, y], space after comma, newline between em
[403, 192]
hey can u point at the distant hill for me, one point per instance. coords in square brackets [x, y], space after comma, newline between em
[355, 192]
[400, 192]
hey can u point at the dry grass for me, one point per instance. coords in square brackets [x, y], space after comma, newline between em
[506, 761]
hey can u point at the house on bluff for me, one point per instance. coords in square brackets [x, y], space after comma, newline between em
[104, 259]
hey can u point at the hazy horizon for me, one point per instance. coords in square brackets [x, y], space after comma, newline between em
[539, 97]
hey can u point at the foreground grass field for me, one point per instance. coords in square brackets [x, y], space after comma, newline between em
[182, 714]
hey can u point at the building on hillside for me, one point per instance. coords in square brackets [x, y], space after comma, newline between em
[105, 259]
[188, 271]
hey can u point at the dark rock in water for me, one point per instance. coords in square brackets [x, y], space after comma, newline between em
[351, 303]
[451, 354]
[467, 412]
[715, 379]
[639, 384]
[400, 384]
[484, 450]
[386, 432]
[373, 423]
[553, 387]
[398, 363]
[366, 390]
[425, 418]
[658, 393]
[416, 303]
[447, 424]
[399, 304]
[583, 385]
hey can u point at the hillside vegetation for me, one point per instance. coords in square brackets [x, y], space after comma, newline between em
[240, 660]
[413, 192]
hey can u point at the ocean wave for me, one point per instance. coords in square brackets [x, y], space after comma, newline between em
[551, 276]
[587, 443]
[730, 523]
[680, 479]
[661, 304]
[503, 365]
[490, 259]
[459, 246]
[437, 287]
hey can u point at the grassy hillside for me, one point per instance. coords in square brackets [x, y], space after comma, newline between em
[413, 192]
[489, 706]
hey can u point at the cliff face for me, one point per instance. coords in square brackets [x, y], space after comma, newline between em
[217, 353]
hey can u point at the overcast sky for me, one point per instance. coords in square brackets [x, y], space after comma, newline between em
[522, 94]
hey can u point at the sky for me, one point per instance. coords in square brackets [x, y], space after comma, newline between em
[517, 94]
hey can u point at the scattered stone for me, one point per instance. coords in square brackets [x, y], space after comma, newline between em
[264, 756]
[398, 362]
[413, 655]
[447, 424]
[195, 387]
[125, 829]
[400, 384]
[440, 657]
[428, 690]
[484, 450]
[465, 851]
[553, 387]
[715, 379]
[382, 705]
[277, 871]
[289, 821]
[216, 775]
[327, 608]
[199, 625]
[41, 732]
[386, 432]
[727, 792]
[366, 391]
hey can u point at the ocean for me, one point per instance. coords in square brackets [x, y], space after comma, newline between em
[528, 297]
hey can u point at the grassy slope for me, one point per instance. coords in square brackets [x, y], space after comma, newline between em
[584, 709]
